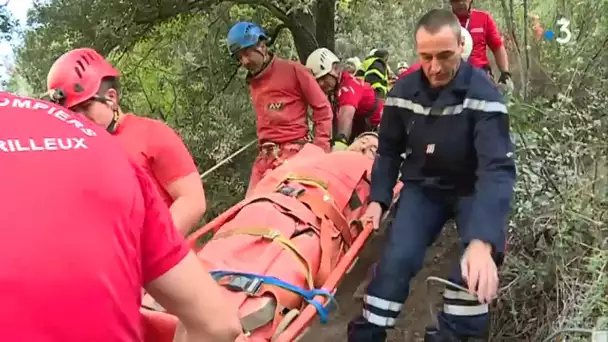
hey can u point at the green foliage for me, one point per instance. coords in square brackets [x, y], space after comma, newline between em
[7, 23]
[175, 67]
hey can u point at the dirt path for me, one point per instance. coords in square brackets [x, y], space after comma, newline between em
[415, 316]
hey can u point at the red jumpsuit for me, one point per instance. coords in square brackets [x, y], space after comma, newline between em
[484, 32]
[281, 95]
[359, 94]
[83, 229]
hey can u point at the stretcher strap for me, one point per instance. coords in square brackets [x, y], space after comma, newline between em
[307, 295]
[274, 236]
[323, 207]
[306, 181]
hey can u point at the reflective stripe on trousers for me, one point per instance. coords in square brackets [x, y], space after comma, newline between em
[460, 303]
[381, 305]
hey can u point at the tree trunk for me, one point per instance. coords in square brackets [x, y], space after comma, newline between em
[325, 14]
[302, 27]
[313, 30]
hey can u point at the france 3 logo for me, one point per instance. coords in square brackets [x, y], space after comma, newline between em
[563, 35]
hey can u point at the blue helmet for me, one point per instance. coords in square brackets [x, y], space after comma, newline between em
[244, 35]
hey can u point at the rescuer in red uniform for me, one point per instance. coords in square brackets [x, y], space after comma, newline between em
[282, 91]
[83, 229]
[358, 107]
[86, 82]
[484, 31]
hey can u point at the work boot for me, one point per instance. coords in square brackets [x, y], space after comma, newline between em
[360, 330]
[432, 334]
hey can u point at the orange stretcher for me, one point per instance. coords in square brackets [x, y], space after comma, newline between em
[281, 253]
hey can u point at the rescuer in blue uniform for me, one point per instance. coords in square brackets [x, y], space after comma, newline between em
[451, 122]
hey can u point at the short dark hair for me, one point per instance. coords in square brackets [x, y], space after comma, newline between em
[108, 83]
[436, 19]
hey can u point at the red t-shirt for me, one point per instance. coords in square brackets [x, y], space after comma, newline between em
[156, 148]
[281, 95]
[484, 31]
[83, 229]
[359, 94]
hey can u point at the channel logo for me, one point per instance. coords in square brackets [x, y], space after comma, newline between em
[562, 36]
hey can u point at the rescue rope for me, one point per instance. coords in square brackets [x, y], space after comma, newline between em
[227, 159]
[593, 332]
[446, 283]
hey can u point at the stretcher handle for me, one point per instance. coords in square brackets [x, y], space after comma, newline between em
[297, 327]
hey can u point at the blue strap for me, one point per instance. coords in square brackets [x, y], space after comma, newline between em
[308, 295]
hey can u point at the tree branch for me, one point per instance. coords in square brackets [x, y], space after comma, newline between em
[274, 34]
[234, 73]
[273, 9]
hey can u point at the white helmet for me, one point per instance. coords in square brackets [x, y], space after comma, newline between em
[468, 43]
[354, 61]
[321, 62]
[401, 65]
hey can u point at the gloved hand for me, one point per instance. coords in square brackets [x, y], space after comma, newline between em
[505, 83]
[339, 146]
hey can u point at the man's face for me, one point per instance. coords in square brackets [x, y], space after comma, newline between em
[439, 54]
[252, 58]
[460, 6]
[367, 145]
[329, 82]
[99, 109]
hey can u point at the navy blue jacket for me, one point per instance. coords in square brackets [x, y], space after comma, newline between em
[456, 139]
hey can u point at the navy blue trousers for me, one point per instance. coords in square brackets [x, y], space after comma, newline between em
[420, 217]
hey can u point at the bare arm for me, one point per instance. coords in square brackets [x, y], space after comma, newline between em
[174, 168]
[189, 292]
[502, 59]
[189, 202]
[321, 108]
[494, 39]
[346, 115]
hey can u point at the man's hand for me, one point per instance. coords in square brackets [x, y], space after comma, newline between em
[480, 271]
[505, 83]
[339, 146]
[373, 215]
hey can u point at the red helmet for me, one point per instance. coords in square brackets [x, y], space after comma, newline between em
[77, 74]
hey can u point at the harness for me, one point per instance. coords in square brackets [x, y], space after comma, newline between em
[254, 285]
[270, 148]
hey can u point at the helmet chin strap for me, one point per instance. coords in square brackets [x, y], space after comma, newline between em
[114, 123]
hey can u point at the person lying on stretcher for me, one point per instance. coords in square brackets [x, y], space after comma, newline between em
[279, 245]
